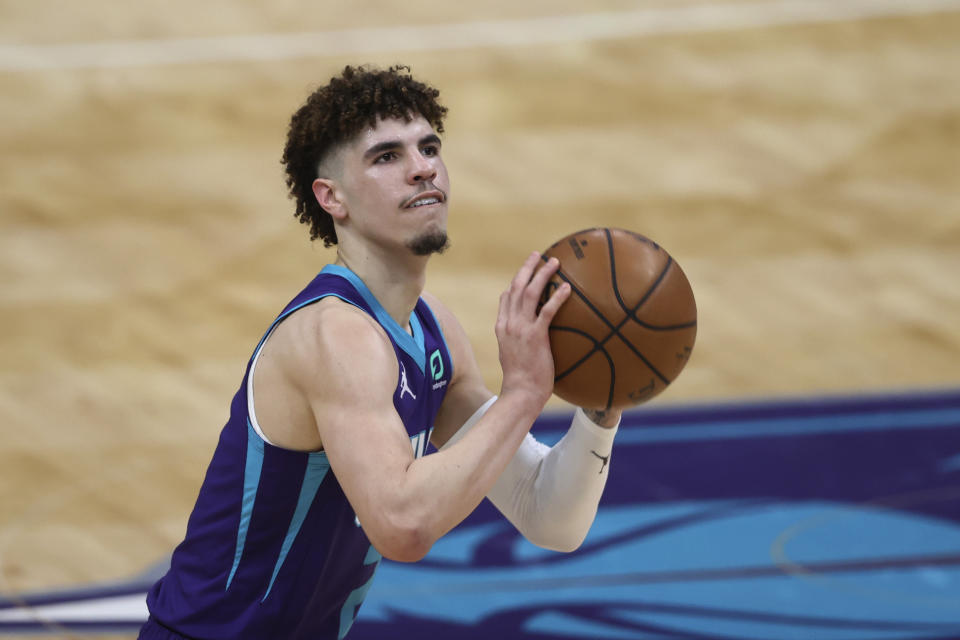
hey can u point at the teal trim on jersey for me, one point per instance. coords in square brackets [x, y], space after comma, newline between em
[413, 345]
[443, 338]
[418, 339]
[251, 482]
[372, 556]
[317, 467]
[348, 613]
[283, 316]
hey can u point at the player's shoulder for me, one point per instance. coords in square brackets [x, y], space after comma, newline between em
[332, 327]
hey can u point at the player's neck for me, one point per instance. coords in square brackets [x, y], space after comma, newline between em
[396, 284]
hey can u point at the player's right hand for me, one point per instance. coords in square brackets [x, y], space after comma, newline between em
[522, 331]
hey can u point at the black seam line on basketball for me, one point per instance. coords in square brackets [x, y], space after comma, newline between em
[672, 327]
[623, 305]
[613, 272]
[636, 351]
[616, 288]
[653, 287]
[613, 367]
[576, 364]
[632, 313]
[614, 330]
[575, 289]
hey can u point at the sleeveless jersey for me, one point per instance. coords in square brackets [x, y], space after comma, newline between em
[273, 548]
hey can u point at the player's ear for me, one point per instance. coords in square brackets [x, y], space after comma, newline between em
[329, 198]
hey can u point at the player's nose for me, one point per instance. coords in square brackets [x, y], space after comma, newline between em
[421, 169]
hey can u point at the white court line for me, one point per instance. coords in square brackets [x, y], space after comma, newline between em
[108, 609]
[465, 35]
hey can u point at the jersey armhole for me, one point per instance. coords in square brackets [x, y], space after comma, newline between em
[251, 409]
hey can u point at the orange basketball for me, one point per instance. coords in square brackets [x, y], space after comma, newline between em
[628, 327]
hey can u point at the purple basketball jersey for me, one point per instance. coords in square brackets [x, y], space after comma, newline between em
[273, 548]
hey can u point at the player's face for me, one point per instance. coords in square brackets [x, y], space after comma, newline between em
[395, 185]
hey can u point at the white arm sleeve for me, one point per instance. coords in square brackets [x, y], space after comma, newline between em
[550, 494]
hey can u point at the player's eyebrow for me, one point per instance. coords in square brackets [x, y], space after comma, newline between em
[430, 138]
[381, 147]
[393, 145]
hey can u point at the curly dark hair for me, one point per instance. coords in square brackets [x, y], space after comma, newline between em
[335, 114]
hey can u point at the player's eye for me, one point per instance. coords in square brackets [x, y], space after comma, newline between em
[431, 150]
[386, 156]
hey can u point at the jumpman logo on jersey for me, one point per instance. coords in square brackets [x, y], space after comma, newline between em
[404, 385]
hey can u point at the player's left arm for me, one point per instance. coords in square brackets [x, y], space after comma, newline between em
[550, 494]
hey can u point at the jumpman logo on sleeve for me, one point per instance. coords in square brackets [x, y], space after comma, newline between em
[604, 459]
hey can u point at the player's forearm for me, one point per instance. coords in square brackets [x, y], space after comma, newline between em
[438, 491]
[552, 494]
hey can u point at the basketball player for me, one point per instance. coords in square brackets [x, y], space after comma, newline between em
[320, 470]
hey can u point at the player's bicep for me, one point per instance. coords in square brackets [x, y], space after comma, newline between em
[350, 387]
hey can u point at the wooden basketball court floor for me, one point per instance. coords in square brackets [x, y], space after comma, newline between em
[800, 160]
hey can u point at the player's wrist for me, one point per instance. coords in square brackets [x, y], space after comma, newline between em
[606, 418]
[524, 401]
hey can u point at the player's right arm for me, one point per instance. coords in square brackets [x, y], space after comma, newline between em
[551, 494]
[404, 503]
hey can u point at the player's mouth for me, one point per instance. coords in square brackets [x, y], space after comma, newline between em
[425, 199]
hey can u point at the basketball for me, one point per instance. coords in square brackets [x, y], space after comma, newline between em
[627, 330]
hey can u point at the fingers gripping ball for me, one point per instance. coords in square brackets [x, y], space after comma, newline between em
[629, 325]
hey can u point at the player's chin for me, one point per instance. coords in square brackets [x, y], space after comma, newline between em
[430, 241]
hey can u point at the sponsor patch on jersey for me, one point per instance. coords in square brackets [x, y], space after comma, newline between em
[436, 365]
[436, 370]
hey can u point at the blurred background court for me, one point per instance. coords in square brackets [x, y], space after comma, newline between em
[800, 159]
